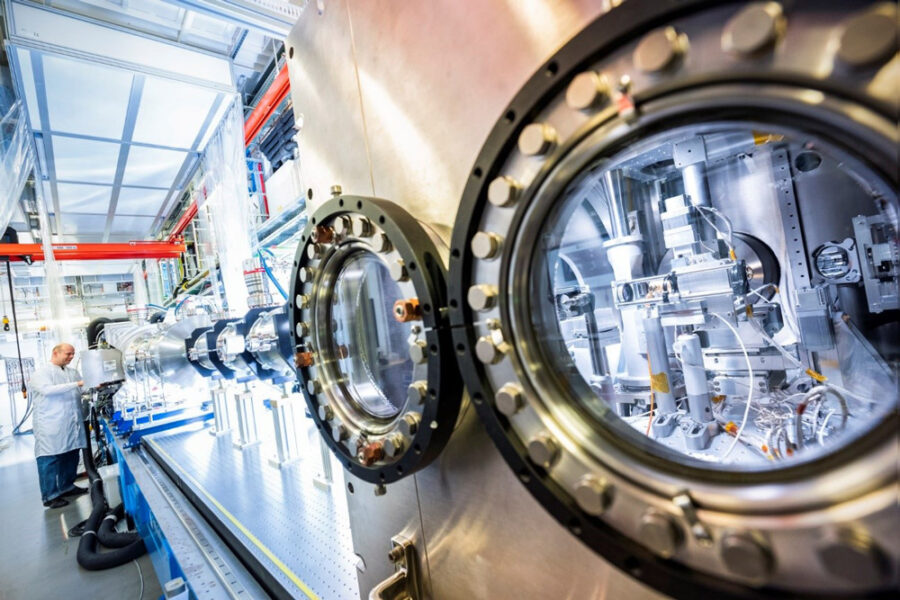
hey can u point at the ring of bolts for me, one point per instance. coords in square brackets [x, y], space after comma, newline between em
[665, 525]
[393, 440]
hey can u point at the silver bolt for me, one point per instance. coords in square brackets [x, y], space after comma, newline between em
[343, 226]
[659, 49]
[487, 352]
[503, 191]
[396, 554]
[409, 424]
[398, 271]
[362, 227]
[301, 301]
[326, 413]
[869, 38]
[336, 190]
[380, 489]
[313, 386]
[339, 432]
[509, 399]
[418, 352]
[416, 392]
[485, 244]
[306, 274]
[394, 445]
[659, 533]
[313, 251]
[543, 450]
[593, 494]
[745, 556]
[587, 90]
[754, 28]
[482, 297]
[302, 329]
[381, 243]
[852, 556]
[537, 139]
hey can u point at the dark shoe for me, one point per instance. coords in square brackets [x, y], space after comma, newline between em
[75, 491]
[56, 503]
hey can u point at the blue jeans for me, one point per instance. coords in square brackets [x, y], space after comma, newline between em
[57, 474]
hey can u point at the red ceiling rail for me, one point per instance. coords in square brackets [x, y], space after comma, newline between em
[120, 251]
[276, 93]
[274, 96]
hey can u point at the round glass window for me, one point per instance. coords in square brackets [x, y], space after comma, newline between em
[369, 345]
[723, 294]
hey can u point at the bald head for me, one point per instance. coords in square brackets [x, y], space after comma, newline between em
[62, 354]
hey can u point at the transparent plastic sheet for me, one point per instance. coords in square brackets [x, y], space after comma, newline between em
[16, 161]
[228, 207]
[59, 326]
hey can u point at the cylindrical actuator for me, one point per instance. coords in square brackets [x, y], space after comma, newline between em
[695, 383]
[658, 356]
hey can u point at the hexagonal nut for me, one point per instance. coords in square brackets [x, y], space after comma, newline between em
[306, 274]
[509, 399]
[503, 191]
[409, 424]
[746, 556]
[658, 532]
[301, 301]
[869, 38]
[407, 309]
[418, 352]
[371, 453]
[398, 271]
[394, 445]
[301, 329]
[314, 251]
[537, 139]
[482, 297]
[485, 245]
[587, 90]
[754, 28]
[325, 412]
[416, 393]
[658, 50]
[322, 234]
[313, 387]
[303, 359]
[343, 226]
[339, 432]
[362, 227]
[336, 190]
[593, 494]
[543, 450]
[487, 351]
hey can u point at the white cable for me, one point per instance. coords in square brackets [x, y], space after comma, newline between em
[821, 435]
[141, 575]
[790, 358]
[749, 393]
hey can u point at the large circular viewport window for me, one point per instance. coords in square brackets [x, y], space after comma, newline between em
[720, 295]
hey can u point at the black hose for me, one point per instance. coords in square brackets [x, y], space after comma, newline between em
[108, 535]
[89, 556]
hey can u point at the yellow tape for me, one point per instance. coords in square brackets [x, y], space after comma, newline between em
[659, 383]
[269, 554]
[817, 376]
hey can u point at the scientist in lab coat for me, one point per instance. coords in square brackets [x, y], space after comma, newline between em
[58, 424]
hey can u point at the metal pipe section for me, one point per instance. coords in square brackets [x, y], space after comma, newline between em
[618, 212]
[695, 383]
[658, 359]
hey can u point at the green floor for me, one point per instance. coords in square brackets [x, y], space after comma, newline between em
[37, 559]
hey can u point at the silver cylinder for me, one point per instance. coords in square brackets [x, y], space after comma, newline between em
[618, 212]
[658, 355]
[695, 383]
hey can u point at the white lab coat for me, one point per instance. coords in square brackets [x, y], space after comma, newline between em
[58, 421]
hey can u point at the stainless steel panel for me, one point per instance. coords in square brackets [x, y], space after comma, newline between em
[101, 366]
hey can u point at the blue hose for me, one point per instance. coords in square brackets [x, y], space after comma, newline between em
[158, 307]
[265, 266]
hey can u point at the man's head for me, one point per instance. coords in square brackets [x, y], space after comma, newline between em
[62, 354]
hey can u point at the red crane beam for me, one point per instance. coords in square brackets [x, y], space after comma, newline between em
[115, 251]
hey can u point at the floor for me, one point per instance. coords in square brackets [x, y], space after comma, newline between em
[37, 559]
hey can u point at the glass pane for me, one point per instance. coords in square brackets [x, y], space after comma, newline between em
[691, 308]
[370, 344]
[172, 113]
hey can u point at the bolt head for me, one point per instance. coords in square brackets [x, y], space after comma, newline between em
[398, 271]
[313, 386]
[306, 274]
[302, 329]
[362, 227]
[537, 139]
[382, 244]
[409, 424]
[503, 191]
[485, 245]
[543, 450]
[339, 432]
[313, 251]
[371, 453]
[336, 190]
[853, 556]
[587, 90]
[659, 533]
[509, 399]
[326, 413]
[593, 494]
[418, 352]
[394, 445]
[658, 50]
[869, 38]
[482, 297]
[753, 29]
[743, 555]
[343, 226]
[486, 351]
[416, 393]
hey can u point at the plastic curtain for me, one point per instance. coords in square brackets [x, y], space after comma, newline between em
[227, 207]
[60, 329]
[16, 161]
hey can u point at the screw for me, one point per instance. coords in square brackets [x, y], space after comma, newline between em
[503, 191]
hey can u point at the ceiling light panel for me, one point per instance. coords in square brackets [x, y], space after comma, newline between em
[140, 201]
[85, 98]
[83, 160]
[82, 198]
[171, 113]
[152, 166]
